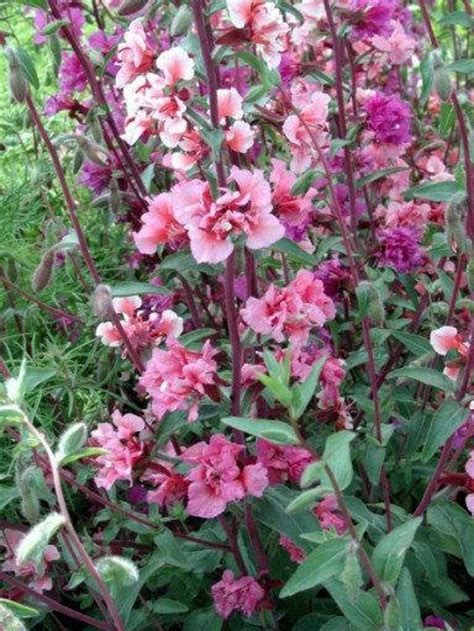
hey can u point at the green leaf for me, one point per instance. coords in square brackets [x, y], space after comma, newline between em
[304, 392]
[363, 613]
[446, 119]
[410, 617]
[427, 76]
[451, 520]
[71, 441]
[464, 66]
[458, 18]
[303, 183]
[294, 251]
[389, 553]
[33, 545]
[28, 67]
[168, 606]
[7, 495]
[416, 344]
[203, 620]
[337, 457]
[22, 611]
[434, 191]
[188, 339]
[447, 419]
[377, 175]
[183, 262]
[428, 376]
[304, 499]
[88, 452]
[133, 288]
[10, 622]
[54, 26]
[321, 565]
[274, 431]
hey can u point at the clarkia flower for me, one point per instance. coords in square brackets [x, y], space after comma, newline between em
[231, 594]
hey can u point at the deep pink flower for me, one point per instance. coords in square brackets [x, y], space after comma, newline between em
[217, 477]
[297, 555]
[72, 77]
[371, 17]
[178, 378]
[399, 249]
[231, 594]
[329, 515]
[160, 226]
[283, 463]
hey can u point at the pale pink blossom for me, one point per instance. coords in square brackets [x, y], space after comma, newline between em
[176, 65]
[398, 46]
[229, 104]
[127, 305]
[135, 54]
[160, 226]
[288, 207]
[231, 594]
[267, 29]
[217, 476]
[178, 378]
[470, 503]
[445, 339]
[239, 137]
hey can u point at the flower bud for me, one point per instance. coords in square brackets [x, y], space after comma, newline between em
[92, 151]
[77, 160]
[181, 22]
[30, 504]
[442, 82]
[102, 302]
[455, 217]
[17, 80]
[129, 7]
[115, 198]
[44, 271]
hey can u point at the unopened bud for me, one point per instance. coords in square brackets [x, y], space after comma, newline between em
[93, 151]
[44, 271]
[442, 82]
[115, 198]
[470, 275]
[102, 302]
[129, 7]
[455, 219]
[77, 160]
[17, 80]
[181, 22]
[30, 504]
[55, 46]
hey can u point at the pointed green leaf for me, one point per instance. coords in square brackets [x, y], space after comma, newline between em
[389, 553]
[274, 431]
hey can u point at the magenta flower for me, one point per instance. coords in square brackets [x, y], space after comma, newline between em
[399, 249]
[283, 463]
[371, 17]
[389, 118]
[329, 515]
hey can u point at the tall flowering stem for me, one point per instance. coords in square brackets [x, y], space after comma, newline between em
[68, 525]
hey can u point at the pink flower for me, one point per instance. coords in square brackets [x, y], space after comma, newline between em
[123, 446]
[289, 208]
[398, 45]
[212, 224]
[229, 104]
[297, 555]
[470, 503]
[231, 594]
[170, 486]
[176, 65]
[265, 24]
[178, 378]
[239, 137]
[135, 55]
[284, 464]
[217, 477]
[127, 305]
[445, 339]
[291, 312]
[35, 575]
[160, 226]
[329, 516]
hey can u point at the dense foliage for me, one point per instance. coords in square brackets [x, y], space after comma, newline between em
[237, 266]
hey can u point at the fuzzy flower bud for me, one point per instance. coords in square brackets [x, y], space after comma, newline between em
[115, 198]
[17, 80]
[129, 7]
[102, 302]
[44, 272]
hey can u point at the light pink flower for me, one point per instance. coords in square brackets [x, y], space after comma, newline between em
[135, 55]
[229, 104]
[127, 305]
[470, 503]
[239, 137]
[178, 378]
[218, 478]
[398, 46]
[176, 65]
[290, 208]
[291, 312]
[160, 226]
[283, 463]
[445, 339]
[231, 594]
